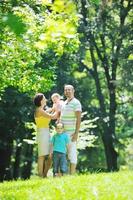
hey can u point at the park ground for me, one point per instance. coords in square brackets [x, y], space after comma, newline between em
[101, 186]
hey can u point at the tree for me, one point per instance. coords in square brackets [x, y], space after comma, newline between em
[15, 110]
[103, 32]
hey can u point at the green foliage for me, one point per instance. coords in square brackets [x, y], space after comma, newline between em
[15, 23]
[86, 135]
[129, 154]
[95, 1]
[104, 52]
[18, 55]
[26, 35]
[93, 186]
[15, 110]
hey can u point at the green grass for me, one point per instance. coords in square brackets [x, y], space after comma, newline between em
[102, 186]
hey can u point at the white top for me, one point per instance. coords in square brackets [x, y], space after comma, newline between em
[68, 115]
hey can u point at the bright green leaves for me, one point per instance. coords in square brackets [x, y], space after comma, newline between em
[19, 54]
[59, 29]
[53, 27]
[64, 7]
[15, 23]
[95, 1]
[34, 82]
[59, 6]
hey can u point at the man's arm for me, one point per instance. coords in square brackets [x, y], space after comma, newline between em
[78, 121]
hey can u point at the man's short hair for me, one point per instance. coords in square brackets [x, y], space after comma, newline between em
[68, 85]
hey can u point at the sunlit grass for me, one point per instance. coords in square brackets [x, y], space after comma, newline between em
[102, 186]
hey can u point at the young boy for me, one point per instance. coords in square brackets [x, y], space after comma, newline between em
[59, 147]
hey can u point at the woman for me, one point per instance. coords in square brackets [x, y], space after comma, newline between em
[42, 119]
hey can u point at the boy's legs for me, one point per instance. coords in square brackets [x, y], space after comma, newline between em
[56, 162]
[63, 163]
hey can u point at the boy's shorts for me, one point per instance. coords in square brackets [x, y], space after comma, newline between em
[59, 162]
[73, 153]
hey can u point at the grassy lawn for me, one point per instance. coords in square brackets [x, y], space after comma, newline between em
[102, 186]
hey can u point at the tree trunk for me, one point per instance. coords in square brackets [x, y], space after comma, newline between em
[17, 163]
[2, 164]
[108, 129]
[110, 152]
[26, 170]
[5, 158]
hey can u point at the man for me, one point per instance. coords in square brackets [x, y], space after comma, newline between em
[71, 118]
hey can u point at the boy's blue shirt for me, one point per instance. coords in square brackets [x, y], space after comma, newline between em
[60, 142]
